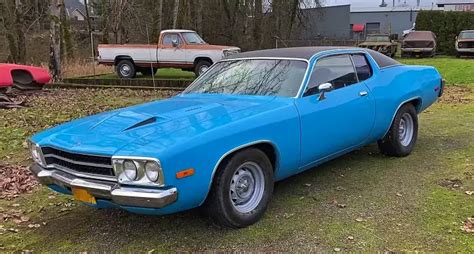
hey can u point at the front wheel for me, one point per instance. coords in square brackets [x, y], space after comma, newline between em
[201, 67]
[241, 190]
[401, 138]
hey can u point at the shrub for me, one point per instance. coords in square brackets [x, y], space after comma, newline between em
[446, 25]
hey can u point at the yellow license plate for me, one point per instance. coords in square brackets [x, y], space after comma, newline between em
[83, 195]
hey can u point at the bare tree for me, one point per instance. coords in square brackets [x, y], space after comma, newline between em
[175, 13]
[55, 40]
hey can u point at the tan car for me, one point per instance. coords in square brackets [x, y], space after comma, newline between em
[465, 43]
[381, 43]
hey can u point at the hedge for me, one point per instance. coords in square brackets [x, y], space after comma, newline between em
[446, 25]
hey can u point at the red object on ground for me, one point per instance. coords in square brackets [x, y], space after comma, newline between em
[358, 28]
[24, 74]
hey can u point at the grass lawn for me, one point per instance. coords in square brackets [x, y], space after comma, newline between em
[361, 202]
[454, 70]
[161, 74]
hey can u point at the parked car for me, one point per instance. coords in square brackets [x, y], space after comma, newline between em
[22, 77]
[419, 43]
[183, 49]
[381, 43]
[252, 119]
[465, 43]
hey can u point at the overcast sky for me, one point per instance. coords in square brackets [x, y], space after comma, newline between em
[374, 3]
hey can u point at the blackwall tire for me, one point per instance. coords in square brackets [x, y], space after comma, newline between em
[241, 189]
[126, 69]
[403, 133]
[201, 67]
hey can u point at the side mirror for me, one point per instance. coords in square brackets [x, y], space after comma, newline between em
[323, 89]
[175, 43]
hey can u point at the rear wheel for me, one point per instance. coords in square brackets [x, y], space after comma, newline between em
[401, 138]
[241, 189]
[126, 69]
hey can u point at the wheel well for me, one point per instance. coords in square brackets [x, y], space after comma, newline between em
[265, 147]
[120, 58]
[22, 76]
[196, 61]
[416, 103]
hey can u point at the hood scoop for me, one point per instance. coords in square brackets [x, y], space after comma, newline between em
[142, 123]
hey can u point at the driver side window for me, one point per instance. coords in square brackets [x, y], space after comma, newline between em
[169, 38]
[336, 70]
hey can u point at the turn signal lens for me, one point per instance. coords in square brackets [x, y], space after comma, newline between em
[185, 173]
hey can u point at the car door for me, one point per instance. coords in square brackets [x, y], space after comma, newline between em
[345, 117]
[169, 53]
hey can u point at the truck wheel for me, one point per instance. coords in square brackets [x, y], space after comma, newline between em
[241, 189]
[401, 138]
[201, 67]
[148, 71]
[126, 69]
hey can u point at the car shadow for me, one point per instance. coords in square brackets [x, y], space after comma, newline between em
[112, 229]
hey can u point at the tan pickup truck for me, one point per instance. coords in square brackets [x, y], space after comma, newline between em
[183, 49]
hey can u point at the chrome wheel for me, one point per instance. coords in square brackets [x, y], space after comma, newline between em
[406, 129]
[247, 187]
[125, 70]
[203, 69]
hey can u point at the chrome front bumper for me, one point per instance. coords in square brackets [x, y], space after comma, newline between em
[465, 50]
[121, 195]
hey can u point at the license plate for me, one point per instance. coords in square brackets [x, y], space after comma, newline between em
[83, 195]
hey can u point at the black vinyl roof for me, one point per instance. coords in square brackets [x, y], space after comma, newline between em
[308, 52]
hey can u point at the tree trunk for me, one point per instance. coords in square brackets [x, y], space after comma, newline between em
[175, 13]
[199, 16]
[55, 40]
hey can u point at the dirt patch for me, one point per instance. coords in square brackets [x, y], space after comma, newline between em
[451, 183]
[457, 95]
[15, 180]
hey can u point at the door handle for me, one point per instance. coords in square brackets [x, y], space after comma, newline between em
[363, 93]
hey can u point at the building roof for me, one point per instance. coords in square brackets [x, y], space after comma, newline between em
[454, 2]
[391, 9]
[73, 5]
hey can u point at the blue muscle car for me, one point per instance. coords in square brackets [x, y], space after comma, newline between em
[250, 120]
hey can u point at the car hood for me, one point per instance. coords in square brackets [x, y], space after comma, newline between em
[465, 40]
[107, 133]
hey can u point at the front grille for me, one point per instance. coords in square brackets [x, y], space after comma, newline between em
[87, 164]
[468, 44]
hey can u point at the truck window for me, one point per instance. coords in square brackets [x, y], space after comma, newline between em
[169, 38]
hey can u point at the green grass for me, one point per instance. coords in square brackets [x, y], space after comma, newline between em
[160, 75]
[455, 71]
[401, 203]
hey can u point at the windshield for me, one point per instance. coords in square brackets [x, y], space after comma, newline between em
[466, 35]
[378, 38]
[252, 77]
[193, 38]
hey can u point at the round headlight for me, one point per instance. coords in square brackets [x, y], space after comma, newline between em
[130, 170]
[152, 170]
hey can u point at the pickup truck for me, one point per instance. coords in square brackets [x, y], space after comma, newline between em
[183, 49]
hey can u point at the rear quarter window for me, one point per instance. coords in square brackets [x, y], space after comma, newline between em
[382, 60]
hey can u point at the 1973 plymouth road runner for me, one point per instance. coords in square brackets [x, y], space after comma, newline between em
[250, 120]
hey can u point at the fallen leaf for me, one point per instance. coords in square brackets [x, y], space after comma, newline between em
[468, 226]
[337, 249]
[350, 238]
[359, 220]
[470, 193]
